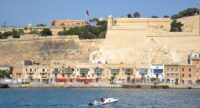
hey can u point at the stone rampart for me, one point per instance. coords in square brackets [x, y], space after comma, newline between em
[140, 44]
[45, 49]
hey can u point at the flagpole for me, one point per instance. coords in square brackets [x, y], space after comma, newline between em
[87, 14]
[86, 17]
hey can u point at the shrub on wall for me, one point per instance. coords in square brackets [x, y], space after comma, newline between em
[176, 26]
[46, 32]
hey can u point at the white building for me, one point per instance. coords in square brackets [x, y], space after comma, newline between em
[157, 71]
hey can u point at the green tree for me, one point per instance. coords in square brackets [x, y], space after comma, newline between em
[176, 26]
[40, 25]
[129, 16]
[154, 16]
[153, 79]
[46, 32]
[1, 35]
[165, 16]
[7, 34]
[15, 34]
[94, 20]
[64, 32]
[25, 28]
[185, 13]
[136, 15]
[89, 32]
[4, 74]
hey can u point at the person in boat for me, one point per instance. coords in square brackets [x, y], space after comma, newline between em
[102, 99]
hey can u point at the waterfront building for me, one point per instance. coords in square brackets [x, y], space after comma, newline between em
[157, 71]
[18, 74]
[172, 74]
[187, 74]
[194, 61]
[143, 74]
[37, 73]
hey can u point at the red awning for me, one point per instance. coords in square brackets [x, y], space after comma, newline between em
[62, 79]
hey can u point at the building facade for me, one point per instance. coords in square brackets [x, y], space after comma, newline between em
[69, 23]
[172, 74]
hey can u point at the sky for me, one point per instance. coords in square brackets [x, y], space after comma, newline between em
[24, 12]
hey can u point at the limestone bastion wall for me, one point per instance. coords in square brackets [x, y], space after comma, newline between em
[46, 49]
[140, 44]
[191, 24]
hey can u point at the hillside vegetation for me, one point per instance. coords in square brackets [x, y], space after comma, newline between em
[88, 32]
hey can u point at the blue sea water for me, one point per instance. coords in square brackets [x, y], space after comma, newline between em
[78, 98]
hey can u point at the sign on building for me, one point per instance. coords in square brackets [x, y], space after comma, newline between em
[143, 71]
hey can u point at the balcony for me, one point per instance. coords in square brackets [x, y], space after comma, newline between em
[84, 70]
[128, 71]
[114, 71]
[98, 70]
[44, 76]
[68, 70]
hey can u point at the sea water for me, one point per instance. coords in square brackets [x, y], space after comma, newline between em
[79, 97]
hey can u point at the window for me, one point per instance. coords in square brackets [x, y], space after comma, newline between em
[182, 69]
[172, 69]
[176, 75]
[189, 69]
[31, 70]
[176, 69]
[190, 81]
[167, 75]
[172, 74]
[35, 69]
[167, 69]
[43, 70]
[182, 81]
[182, 75]
[199, 55]
[26, 69]
[189, 75]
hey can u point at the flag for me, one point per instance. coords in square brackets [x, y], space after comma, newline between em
[87, 12]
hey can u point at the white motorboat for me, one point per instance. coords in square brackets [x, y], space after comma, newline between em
[103, 101]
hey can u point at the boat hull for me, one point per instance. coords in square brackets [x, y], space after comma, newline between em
[106, 101]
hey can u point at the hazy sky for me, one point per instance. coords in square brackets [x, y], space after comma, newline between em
[23, 12]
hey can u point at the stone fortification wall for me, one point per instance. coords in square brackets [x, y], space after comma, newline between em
[139, 23]
[191, 24]
[46, 49]
[136, 44]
